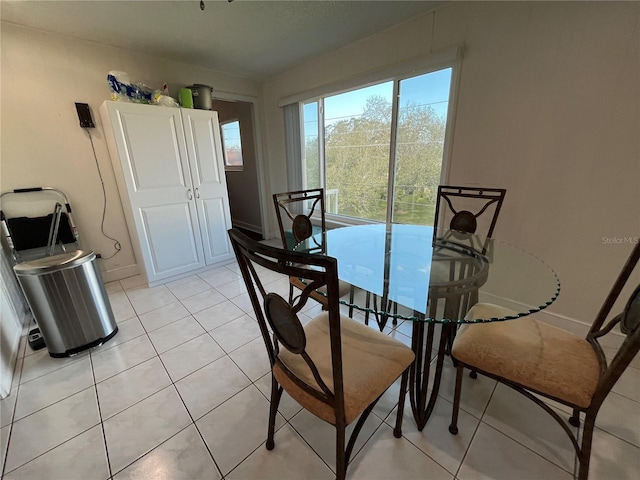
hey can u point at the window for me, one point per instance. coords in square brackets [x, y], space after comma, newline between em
[231, 145]
[364, 148]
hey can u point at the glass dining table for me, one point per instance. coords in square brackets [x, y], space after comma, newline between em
[432, 278]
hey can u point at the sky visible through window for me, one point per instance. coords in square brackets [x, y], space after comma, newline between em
[433, 90]
[232, 143]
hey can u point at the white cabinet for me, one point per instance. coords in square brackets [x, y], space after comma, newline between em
[170, 173]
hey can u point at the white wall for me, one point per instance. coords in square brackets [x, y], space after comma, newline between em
[14, 316]
[42, 144]
[548, 108]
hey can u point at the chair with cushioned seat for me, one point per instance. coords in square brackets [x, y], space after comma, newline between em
[295, 211]
[334, 367]
[461, 208]
[464, 210]
[536, 358]
[468, 210]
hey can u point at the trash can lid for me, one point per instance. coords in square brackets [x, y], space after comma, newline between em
[55, 262]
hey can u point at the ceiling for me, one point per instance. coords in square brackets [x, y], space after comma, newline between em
[248, 38]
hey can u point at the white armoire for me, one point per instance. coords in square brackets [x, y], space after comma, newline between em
[169, 169]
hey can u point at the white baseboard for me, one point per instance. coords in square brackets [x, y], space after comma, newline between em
[191, 273]
[119, 273]
[247, 226]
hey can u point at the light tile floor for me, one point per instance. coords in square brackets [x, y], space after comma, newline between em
[181, 392]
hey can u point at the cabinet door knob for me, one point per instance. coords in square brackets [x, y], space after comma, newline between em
[197, 193]
[189, 194]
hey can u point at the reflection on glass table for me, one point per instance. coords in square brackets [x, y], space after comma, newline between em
[433, 278]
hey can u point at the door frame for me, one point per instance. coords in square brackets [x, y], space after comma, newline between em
[257, 141]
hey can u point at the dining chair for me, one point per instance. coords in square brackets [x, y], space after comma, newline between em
[461, 207]
[535, 358]
[333, 366]
[295, 211]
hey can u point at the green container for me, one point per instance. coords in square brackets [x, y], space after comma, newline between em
[186, 98]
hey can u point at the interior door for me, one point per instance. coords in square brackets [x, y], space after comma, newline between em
[204, 148]
[153, 155]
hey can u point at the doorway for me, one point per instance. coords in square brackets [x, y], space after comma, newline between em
[242, 182]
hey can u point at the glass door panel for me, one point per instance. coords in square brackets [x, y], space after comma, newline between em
[422, 120]
[311, 169]
[357, 142]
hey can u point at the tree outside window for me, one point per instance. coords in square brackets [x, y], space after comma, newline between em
[353, 144]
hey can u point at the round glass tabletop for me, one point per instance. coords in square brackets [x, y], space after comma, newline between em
[408, 272]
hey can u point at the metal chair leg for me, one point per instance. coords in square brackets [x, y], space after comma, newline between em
[453, 428]
[575, 418]
[395, 312]
[584, 456]
[276, 394]
[352, 294]
[367, 303]
[397, 431]
[290, 294]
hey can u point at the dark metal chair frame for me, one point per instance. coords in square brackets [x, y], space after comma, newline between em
[629, 321]
[273, 312]
[464, 220]
[292, 205]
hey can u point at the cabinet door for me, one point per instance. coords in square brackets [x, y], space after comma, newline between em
[151, 147]
[204, 146]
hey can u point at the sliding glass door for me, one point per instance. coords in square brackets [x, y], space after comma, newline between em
[420, 127]
[365, 148]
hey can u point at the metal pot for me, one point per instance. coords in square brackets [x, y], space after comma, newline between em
[202, 96]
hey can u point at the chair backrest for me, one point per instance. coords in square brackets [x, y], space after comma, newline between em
[629, 323]
[461, 207]
[274, 312]
[295, 210]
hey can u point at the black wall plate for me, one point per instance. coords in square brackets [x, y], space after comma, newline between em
[84, 115]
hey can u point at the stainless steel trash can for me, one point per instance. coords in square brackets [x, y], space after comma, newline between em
[68, 299]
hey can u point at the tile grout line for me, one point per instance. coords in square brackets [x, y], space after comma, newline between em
[15, 404]
[52, 448]
[104, 434]
[579, 429]
[530, 449]
[173, 383]
[287, 422]
[481, 420]
[138, 402]
[475, 431]
[47, 451]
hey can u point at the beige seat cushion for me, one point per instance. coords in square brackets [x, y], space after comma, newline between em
[533, 354]
[371, 362]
